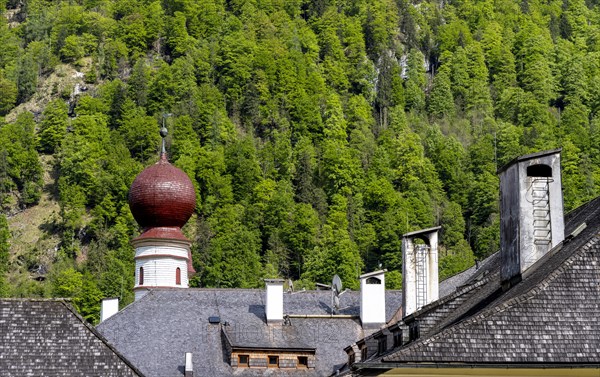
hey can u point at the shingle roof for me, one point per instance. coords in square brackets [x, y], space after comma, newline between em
[156, 331]
[550, 317]
[47, 338]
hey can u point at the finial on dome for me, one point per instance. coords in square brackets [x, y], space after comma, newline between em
[163, 150]
[163, 133]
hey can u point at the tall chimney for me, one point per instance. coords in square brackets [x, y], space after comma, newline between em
[274, 301]
[372, 298]
[420, 283]
[108, 308]
[531, 211]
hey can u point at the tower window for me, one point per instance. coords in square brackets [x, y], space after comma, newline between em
[141, 275]
[178, 276]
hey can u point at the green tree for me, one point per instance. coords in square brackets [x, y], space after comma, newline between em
[440, 102]
[9, 94]
[27, 76]
[53, 127]
[140, 133]
[336, 253]
[72, 49]
[414, 92]
[232, 258]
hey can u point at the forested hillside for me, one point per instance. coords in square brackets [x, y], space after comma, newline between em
[316, 132]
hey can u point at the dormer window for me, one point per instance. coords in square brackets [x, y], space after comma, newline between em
[351, 358]
[397, 338]
[382, 345]
[414, 331]
[243, 361]
[364, 353]
[302, 362]
[273, 361]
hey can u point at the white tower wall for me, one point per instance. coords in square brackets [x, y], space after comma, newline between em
[160, 260]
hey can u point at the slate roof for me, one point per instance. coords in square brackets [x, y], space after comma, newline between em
[48, 338]
[549, 318]
[156, 331]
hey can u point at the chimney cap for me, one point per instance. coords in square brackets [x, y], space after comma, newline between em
[374, 273]
[274, 281]
[422, 231]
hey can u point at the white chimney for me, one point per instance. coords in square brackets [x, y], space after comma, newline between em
[189, 367]
[274, 301]
[420, 282]
[110, 307]
[531, 211]
[372, 298]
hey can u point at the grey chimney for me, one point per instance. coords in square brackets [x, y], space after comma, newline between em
[531, 211]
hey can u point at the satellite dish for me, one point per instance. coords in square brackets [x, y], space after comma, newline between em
[336, 288]
[336, 284]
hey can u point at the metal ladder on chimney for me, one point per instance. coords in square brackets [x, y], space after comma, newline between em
[542, 229]
[421, 252]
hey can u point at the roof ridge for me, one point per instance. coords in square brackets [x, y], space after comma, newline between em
[500, 307]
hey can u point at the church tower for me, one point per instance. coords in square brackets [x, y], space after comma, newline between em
[162, 199]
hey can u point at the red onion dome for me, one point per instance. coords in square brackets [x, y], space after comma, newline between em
[162, 196]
